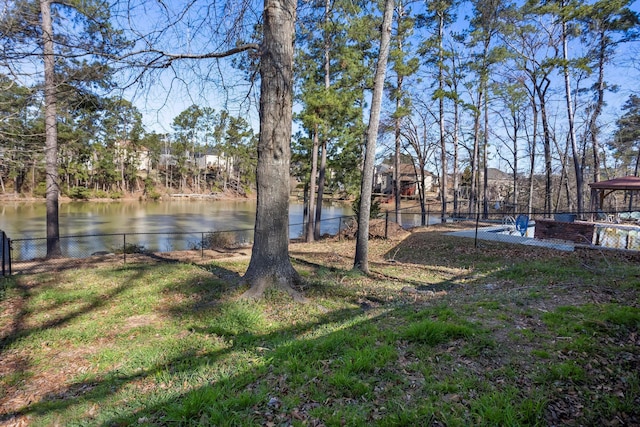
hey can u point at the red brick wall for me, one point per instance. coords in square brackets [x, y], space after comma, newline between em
[578, 232]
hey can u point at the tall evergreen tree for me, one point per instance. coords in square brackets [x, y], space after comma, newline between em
[331, 92]
[608, 24]
[626, 141]
[361, 261]
[74, 41]
[441, 14]
[485, 27]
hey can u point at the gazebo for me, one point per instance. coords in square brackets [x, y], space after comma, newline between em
[600, 190]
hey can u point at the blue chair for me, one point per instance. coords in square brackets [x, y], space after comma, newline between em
[522, 224]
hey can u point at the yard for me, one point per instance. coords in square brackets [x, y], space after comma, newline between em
[441, 333]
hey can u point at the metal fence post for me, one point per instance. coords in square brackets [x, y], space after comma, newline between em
[5, 254]
[386, 224]
[202, 244]
[124, 247]
[9, 249]
[475, 241]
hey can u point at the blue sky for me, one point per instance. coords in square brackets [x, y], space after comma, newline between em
[221, 86]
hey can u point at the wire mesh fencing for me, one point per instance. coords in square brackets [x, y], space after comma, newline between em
[558, 230]
[32, 255]
[40, 254]
[561, 230]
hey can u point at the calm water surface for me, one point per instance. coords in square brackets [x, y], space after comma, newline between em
[27, 219]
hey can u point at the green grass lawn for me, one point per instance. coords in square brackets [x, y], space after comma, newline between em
[441, 333]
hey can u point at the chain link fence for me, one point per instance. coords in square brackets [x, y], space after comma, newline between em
[29, 255]
[561, 230]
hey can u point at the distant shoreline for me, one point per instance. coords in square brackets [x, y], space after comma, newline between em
[136, 197]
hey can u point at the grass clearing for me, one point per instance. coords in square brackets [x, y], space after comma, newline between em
[441, 333]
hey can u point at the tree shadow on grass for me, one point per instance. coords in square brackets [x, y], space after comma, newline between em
[377, 274]
[302, 343]
[339, 368]
[198, 294]
[109, 383]
[24, 285]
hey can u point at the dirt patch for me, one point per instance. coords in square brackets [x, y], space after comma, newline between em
[142, 320]
[191, 257]
[378, 229]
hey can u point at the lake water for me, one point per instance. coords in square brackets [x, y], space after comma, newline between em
[27, 220]
[156, 226]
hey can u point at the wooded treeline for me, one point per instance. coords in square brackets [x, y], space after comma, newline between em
[104, 151]
[471, 85]
[532, 88]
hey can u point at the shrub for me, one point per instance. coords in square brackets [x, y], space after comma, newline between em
[40, 190]
[150, 190]
[79, 193]
[131, 248]
[154, 195]
[218, 240]
[100, 194]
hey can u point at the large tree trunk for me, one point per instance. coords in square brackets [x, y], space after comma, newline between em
[456, 172]
[443, 143]
[270, 265]
[597, 110]
[397, 188]
[532, 152]
[51, 133]
[516, 127]
[546, 132]
[485, 160]
[361, 261]
[473, 196]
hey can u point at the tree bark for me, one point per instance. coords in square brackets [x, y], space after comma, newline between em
[485, 160]
[572, 131]
[312, 186]
[321, 179]
[532, 152]
[51, 133]
[397, 190]
[270, 265]
[593, 121]
[475, 163]
[443, 143]
[361, 261]
[546, 133]
[327, 85]
[516, 127]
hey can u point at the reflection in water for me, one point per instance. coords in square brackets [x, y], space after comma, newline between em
[175, 225]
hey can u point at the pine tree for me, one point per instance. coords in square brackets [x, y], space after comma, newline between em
[361, 261]
[608, 24]
[80, 49]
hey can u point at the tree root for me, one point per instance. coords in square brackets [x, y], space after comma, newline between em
[258, 286]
